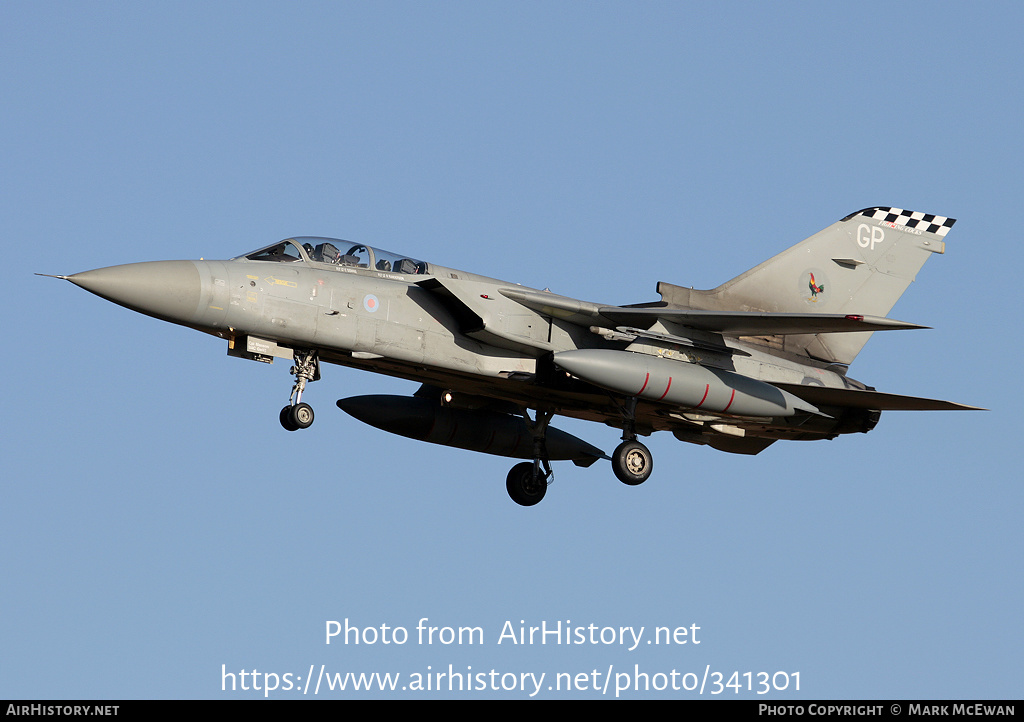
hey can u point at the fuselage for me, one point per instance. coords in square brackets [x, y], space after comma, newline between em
[445, 327]
[758, 359]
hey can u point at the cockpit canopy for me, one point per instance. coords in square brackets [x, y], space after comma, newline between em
[336, 252]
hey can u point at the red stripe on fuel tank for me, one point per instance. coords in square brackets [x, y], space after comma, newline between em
[731, 399]
[666, 389]
[707, 390]
[646, 379]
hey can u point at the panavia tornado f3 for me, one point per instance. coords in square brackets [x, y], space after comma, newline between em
[762, 357]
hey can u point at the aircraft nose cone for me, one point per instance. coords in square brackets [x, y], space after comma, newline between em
[168, 290]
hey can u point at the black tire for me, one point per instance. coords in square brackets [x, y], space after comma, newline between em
[302, 416]
[286, 419]
[632, 463]
[521, 485]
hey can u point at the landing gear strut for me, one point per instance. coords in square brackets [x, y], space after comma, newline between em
[632, 462]
[297, 414]
[527, 482]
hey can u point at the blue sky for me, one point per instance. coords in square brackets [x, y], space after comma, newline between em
[157, 523]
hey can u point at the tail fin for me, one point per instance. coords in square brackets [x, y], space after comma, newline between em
[860, 265]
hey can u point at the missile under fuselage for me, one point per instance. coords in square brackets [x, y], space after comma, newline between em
[678, 383]
[489, 432]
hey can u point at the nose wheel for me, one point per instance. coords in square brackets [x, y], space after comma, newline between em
[298, 414]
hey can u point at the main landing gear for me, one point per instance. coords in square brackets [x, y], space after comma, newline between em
[298, 414]
[632, 462]
[527, 482]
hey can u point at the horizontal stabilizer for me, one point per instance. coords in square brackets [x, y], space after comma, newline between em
[853, 399]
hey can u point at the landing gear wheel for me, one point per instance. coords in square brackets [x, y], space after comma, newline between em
[632, 463]
[302, 415]
[525, 487]
[299, 416]
[286, 419]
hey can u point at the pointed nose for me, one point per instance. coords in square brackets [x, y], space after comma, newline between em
[169, 290]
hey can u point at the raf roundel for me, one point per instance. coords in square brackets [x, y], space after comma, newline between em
[370, 303]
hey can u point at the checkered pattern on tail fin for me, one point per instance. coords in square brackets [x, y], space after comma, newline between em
[926, 222]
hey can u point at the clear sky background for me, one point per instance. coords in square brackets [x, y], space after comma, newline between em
[157, 523]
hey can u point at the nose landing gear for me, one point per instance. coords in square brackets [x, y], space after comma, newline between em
[298, 414]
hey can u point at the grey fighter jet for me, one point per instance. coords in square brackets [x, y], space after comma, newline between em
[762, 357]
